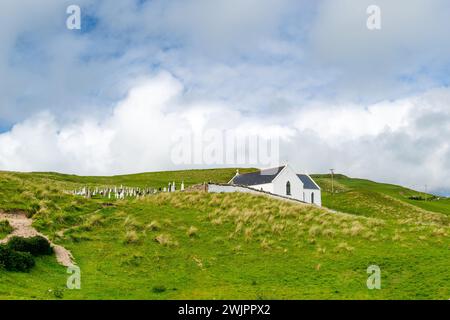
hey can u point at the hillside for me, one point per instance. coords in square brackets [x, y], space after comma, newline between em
[234, 246]
[352, 193]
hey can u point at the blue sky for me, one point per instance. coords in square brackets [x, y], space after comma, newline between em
[369, 103]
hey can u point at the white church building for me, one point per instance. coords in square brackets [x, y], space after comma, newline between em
[283, 181]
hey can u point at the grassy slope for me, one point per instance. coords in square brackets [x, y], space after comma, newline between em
[374, 194]
[150, 179]
[242, 246]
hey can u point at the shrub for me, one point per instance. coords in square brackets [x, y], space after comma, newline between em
[5, 227]
[37, 245]
[159, 289]
[58, 293]
[15, 261]
[417, 198]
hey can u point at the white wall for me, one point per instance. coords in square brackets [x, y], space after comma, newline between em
[214, 188]
[279, 184]
[221, 188]
[317, 196]
[268, 187]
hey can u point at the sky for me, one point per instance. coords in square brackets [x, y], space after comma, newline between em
[110, 98]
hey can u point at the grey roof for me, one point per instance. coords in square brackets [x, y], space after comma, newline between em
[308, 183]
[267, 176]
[258, 177]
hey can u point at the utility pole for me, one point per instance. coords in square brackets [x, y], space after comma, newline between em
[332, 181]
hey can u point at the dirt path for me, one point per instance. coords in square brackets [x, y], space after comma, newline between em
[23, 228]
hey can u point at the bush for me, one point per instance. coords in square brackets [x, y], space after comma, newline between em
[159, 289]
[5, 227]
[15, 261]
[417, 198]
[37, 245]
[58, 293]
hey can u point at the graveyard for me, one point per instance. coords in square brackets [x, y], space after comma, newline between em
[154, 236]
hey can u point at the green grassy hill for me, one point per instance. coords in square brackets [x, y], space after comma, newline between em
[232, 246]
[347, 190]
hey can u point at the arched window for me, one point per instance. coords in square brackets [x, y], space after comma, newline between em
[288, 188]
[312, 197]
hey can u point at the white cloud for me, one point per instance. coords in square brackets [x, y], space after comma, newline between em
[136, 136]
[403, 141]
[354, 121]
[406, 55]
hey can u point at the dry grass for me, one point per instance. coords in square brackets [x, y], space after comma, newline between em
[154, 226]
[131, 237]
[321, 250]
[95, 220]
[369, 235]
[356, 229]
[198, 261]
[166, 240]
[329, 233]
[397, 237]
[132, 224]
[265, 244]
[315, 230]
[258, 218]
[217, 221]
[439, 232]
[248, 234]
[192, 232]
[278, 228]
[344, 247]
